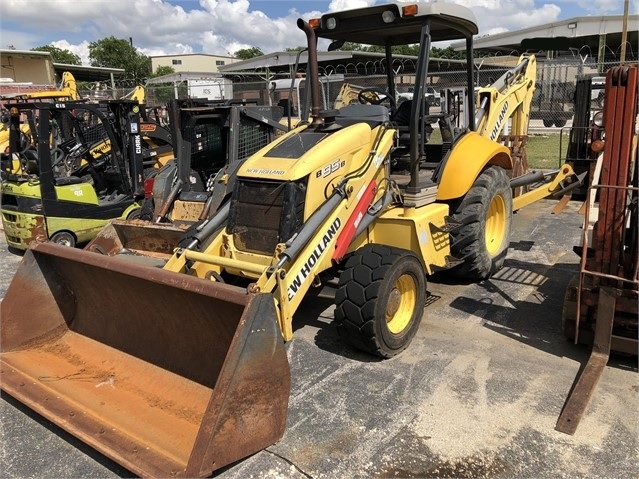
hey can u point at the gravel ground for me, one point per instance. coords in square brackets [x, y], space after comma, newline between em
[477, 394]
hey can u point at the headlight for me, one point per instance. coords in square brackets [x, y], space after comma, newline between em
[331, 23]
[597, 119]
[388, 16]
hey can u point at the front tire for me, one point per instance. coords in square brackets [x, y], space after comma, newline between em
[380, 299]
[485, 214]
[135, 214]
[64, 238]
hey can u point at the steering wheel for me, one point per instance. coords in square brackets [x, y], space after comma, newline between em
[25, 143]
[375, 96]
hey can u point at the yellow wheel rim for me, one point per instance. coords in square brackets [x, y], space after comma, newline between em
[495, 225]
[401, 304]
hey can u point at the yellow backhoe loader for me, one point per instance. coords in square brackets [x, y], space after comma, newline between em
[183, 368]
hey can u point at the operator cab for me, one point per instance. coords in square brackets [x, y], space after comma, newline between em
[426, 129]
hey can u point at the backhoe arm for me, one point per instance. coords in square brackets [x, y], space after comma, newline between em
[68, 90]
[508, 97]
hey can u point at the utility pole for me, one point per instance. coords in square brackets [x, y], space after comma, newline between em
[624, 32]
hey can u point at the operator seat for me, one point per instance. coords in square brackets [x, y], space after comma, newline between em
[374, 115]
[401, 116]
[31, 161]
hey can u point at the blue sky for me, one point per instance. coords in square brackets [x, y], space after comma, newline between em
[221, 27]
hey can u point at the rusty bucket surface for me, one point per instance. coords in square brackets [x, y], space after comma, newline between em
[137, 237]
[166, 374]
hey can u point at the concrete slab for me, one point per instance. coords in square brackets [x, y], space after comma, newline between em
[477, 393]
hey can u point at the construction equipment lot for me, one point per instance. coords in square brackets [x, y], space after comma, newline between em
[477, 394]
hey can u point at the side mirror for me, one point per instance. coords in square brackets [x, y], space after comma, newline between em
[336, 45]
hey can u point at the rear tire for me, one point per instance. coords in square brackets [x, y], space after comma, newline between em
[380, 299]
[547, 123]
[485, 214]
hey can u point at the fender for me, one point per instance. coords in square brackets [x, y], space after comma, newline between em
[468, 157]
[130, 209]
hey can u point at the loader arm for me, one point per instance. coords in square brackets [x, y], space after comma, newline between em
[318, 243]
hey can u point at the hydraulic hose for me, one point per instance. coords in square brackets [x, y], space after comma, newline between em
[309, 230]
[209, 227]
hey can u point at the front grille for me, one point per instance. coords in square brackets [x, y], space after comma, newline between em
[9, 217]
[210, 143]
[254, 135]
[8, 200]
[265, 213]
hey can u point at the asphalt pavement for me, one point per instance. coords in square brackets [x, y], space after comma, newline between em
[476, 394]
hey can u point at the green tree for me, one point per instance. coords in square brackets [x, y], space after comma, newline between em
[163, 93]
[448, 52]
[436, 52]
[115, 52]
[248, 53]
[163, 70]
[352, 47]
[59, 55]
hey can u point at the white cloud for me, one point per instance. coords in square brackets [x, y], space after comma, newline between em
[221, 27]
[155, 26]
[81, 50]
[338, 5]
[508, 15]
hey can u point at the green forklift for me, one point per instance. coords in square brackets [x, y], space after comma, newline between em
[82, 167]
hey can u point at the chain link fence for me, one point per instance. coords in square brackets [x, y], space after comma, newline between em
[552, 104]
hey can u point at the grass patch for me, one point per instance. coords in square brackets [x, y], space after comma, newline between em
[543, 152]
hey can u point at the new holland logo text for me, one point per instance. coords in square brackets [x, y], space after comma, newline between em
[500, 120]
[312, 260]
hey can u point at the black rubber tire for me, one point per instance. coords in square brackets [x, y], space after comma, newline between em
[147, 209]
[483, 238]
[135, 214]
[547, 123]
[560, 123]
[376, 278]
[64, 238]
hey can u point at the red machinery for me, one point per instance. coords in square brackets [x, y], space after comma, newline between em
[601, 303]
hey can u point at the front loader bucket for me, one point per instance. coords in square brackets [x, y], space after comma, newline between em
[137, 237]
[167, 374]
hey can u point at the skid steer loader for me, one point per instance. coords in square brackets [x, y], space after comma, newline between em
[183, 368]
[211, 140]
